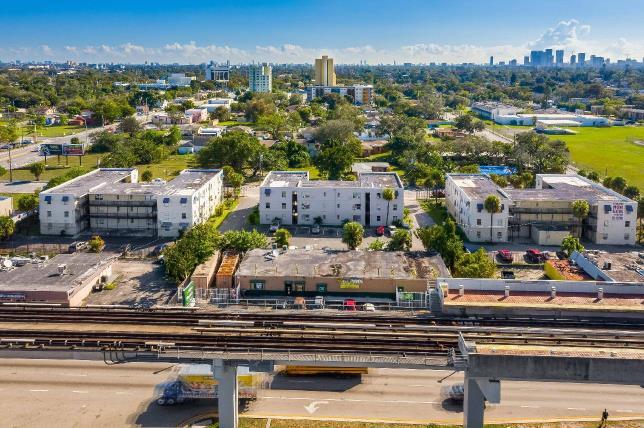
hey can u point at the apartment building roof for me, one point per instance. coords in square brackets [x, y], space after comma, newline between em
[301, 179]
[185, 183]
[478, 186]
[81, 186]
[344, 264]
[577, 187]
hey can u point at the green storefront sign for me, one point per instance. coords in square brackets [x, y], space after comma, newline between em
[188, 294]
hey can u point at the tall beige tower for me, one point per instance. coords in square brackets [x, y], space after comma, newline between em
[324, 71]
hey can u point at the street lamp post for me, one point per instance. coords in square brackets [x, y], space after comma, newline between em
[10, 166]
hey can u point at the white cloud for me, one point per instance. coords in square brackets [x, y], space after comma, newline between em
[570, 35]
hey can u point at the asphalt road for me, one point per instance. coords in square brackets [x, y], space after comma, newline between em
[36, 393]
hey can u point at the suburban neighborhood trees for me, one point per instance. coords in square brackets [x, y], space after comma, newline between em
[27, 202]
[336, 157]
[400, 241]
[475, 265]
[7, 227]
[352, 234]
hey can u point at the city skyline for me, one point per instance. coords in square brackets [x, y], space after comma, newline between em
[421, 32]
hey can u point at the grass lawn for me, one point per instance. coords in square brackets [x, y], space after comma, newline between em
[52, 131]
[235, 123]
[609, 151]
[166, 170]
[217, 220]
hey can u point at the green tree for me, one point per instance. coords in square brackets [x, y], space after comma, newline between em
[618, 184]
[335, 158]
[492, 204]
[334, 130]
[146, 175]
[274, 123]
[130, 125]
[631, 192]
[37, 168]
[8, 133]
[194, 247]
[96, 243]
[27, 202]
[469, 124]
[221, 114]
[236, 149]
[580, 210]
[235, 180]
[242, 240]
[540, 153]
[475, 265]
[388, 194]
[377, 245]
[7, 227]
[3, 171]
[571, 244]
[593, 175]
[444, 239]
[352, 234]
[435, 181]
[282, 237]
[295, 153]
[400, 241]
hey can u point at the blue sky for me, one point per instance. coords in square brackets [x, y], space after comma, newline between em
[295, 31]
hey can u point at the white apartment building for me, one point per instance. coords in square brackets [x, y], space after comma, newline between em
[218, 72]
[360, 94]
[465, 196]
[180, 80]
[111, 201]
[543, 214]
[291, 198]
[260, 78]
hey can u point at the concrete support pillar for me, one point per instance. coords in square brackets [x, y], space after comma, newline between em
[227, 392]
[474, 404]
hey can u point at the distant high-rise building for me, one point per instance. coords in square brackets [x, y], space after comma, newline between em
[218, 73]
[581, 59]
[559, 56]
[549, 59]
[260, 78]
[324, 71]
[513, 62]
[491, 60]
[526, 60]
[573, 59]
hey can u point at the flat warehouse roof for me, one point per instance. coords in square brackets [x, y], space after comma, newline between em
[344, 264]
[477, 186]
[46, 277]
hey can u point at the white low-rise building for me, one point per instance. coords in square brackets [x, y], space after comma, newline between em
[112, 201]
[360, 94]
[544, 213]
[291, 198]
[531, 119]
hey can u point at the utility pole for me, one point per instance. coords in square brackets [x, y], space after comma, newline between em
[10, 166]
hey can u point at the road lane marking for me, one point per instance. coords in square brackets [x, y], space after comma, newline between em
[576, 408]
[38, 390]
[314, 406]
[349, 400]
[530, 407]
[123, 393]
[624, 411]
[80, 392]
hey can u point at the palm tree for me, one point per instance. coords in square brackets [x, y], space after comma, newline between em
[492, 205]
[580, 209]
[388, 195]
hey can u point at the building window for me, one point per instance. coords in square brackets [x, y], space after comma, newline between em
[321, 288]
[166, 201]
[395, 207]
[605, 236]
[356, 218]
[66, 214]
[395, 218]
[499, 222]
[478, 222]
[184, 216]
[283, 206]
[283, 194]
[627, 223]
[478, 233]
[98, 197]
[378, 195]
[627, 236]
[357, 206]
[257, 285]
[131, 221]
[377, 218]
[499, 235]
[299, 287]
[268, 205]
[356, 195]
[48, 213]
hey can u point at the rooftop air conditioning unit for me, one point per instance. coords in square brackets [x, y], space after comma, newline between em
[62, 269]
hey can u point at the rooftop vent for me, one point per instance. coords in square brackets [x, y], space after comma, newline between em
[62, 269]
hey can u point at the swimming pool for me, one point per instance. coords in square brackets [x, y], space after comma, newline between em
[497, 169]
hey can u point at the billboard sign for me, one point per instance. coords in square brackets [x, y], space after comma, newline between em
[51, 149]
[188, 294]
[74, 149]
[618, 211]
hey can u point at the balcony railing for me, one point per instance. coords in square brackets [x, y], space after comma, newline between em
[128, 203]
[124, 215]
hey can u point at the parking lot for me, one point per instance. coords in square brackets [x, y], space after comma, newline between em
[138, 282]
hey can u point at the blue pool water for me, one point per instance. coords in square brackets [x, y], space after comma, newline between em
[497, 169]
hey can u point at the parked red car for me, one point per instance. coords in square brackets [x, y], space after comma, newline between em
[349, 305]
[534, 256]
[380, 230]
[505, 255]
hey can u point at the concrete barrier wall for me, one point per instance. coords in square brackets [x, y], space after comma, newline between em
[542, 286]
